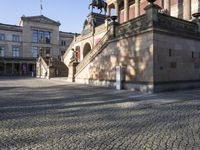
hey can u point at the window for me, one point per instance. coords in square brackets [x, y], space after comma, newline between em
[63, 43]
[2, 51]
[192, 54]
[2, 37]
[41, 37]
[15, 38]
[47, 51]
[35, 52]
[15, 51]
[35, 36]
[47, 37]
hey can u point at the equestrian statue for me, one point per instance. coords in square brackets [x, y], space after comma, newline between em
[99, 4]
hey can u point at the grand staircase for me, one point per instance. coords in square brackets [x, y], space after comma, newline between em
[52, 67]
[60, 68]
[94, 52]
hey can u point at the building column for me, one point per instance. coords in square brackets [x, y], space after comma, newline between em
[126, 10]
[20, 69]
[108, 10]
[116, 8]
[167, 6]
[198, 5]
[137, 8]
[187, 9]
[5, 68]
[12, 68]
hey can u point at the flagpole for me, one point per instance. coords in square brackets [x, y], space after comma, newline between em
[41, 8]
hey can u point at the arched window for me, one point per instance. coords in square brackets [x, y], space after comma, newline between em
[86, 50]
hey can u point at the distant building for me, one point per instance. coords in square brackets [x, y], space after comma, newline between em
[21, 45]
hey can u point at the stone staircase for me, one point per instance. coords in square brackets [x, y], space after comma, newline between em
[50, 68]
[95, 51]
[60, 69]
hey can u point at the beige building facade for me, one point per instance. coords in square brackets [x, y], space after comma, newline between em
[20, 45]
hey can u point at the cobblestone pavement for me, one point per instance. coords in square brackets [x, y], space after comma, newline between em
[55, 115]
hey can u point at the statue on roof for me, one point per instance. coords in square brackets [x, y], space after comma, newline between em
[100, 4]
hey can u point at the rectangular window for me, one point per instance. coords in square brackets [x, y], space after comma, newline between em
[41, 37]
[35, 36]
[2, 51]
[63, 43]
[15, 38]
[192, 54]
[15, 51]
[47, 51]
[47, 37]
[2, 37]
[35, 52]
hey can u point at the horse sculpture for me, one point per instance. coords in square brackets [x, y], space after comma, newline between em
[99, 4]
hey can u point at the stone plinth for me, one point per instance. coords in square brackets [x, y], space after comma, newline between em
[72, 71]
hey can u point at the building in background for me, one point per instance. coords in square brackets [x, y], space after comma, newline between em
[20, 45]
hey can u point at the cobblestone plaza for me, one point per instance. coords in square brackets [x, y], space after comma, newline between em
[54, 114]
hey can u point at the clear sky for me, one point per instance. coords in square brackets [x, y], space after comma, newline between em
[70, 13]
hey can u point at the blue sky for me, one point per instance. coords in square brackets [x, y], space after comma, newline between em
[71, 13]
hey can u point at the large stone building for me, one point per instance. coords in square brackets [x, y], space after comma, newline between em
[20, 45]
[150, 47]
[129, 9]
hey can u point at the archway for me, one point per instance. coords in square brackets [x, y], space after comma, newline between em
[86, 50]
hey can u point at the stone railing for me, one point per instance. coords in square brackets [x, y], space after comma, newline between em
[135, 25]
[176, 24]
[43, 63]
[94, 52]
[162, 21]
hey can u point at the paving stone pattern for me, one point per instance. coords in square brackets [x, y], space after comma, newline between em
[55, 115]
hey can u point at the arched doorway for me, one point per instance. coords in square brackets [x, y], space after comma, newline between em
[86, 50]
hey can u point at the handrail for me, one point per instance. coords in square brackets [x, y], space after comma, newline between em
[44, 63]
[91, 55]
[68, 49]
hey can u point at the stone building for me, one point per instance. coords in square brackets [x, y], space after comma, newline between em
[152, 46]
[20, 45]
[129, 9]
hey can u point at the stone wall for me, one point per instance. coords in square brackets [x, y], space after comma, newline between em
[135, 56]
[177, 61]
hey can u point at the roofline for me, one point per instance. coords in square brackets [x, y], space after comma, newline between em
[10, 27]
[24, 18]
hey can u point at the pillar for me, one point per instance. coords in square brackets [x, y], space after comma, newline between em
[108, 10]
[116, 8]
[13, 68]
[137, 8]
[5, 68]
[20, 69]
[167, 6]
[126, 10]
[187, 9]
